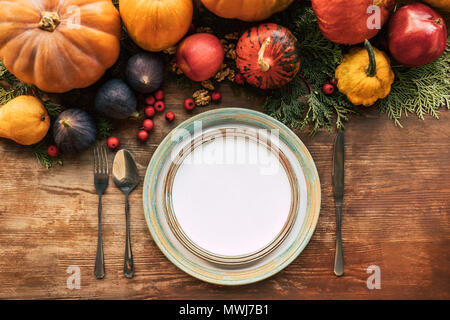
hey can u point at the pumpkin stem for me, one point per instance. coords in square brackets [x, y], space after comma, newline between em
[261, 62]
[49, 21]
[371, 69]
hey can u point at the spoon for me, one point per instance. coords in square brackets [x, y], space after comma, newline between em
[126, 178]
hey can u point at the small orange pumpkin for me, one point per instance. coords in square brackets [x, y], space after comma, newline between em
[59, 45]
[441, 4]
[267, 56]
[246, 10]
[156, 25]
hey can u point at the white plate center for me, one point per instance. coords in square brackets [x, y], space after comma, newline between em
[231, 196]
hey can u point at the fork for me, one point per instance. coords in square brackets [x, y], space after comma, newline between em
[101, 178]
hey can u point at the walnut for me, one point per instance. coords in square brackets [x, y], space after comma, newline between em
[231, 53]
[232, 36]
[226, 73]
[231, 75]
[229, 49]
[207, 84]
[202, 97]
[204, 29]
[222, 74]
[171, 50]
[173, 66]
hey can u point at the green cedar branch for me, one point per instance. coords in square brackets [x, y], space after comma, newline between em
[421, 90]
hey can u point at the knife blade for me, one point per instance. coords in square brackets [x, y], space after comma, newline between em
[338, 185]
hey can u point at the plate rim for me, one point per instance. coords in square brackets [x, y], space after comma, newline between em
[236, 259]
[314, 208]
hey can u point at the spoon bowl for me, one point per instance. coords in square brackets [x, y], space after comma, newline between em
[125, 172]
[126, 178]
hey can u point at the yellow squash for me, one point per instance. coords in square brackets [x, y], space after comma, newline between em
[365, 75]
[24, 120]
[441, 4]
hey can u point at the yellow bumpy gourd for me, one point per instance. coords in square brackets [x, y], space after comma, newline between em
[365, 75]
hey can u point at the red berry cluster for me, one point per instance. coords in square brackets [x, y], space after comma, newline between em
[328, 88]
[155, 103]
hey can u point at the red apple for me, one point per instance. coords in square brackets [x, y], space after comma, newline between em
[417, 35]
[200, 56]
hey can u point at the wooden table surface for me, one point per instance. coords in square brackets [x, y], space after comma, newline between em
[396, 216]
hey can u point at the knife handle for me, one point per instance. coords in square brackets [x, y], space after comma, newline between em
[339, 256]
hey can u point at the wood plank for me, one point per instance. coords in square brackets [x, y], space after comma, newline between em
[396, 216]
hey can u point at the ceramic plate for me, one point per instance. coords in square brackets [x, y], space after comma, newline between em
[231, 196]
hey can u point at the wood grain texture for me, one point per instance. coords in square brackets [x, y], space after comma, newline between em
[396, 216]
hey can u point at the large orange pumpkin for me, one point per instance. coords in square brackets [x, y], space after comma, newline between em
[59, 45]
[156, 25]
[247, 10]
[346, 22]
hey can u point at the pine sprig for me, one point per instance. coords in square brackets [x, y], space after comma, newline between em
[302, 103]
[104, 127]
[10, 86]
[327, 111]
[5, 75]
[287, 105]
[6, 95]
[53, 108]
[41, 154]
[422, 90]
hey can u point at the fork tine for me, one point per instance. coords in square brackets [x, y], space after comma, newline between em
[100, 160]
[105, 161]
[96, 160]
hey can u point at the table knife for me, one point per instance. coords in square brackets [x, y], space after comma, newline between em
[338, 184]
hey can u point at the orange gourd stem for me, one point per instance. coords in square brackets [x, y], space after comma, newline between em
[371, 69]
[263, 64]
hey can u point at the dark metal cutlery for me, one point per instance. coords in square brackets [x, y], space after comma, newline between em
[101, 178]
[126, 178]
[338, 184]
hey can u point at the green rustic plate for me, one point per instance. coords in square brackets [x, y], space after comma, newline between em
[231, 196]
